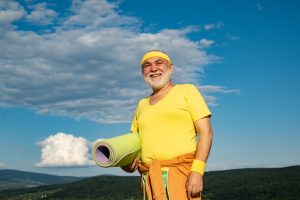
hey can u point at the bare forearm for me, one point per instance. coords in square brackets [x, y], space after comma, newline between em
[194, 183]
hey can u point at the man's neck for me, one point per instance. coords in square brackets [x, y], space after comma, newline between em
[166, 88]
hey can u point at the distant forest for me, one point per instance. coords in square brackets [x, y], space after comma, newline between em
[239, 184]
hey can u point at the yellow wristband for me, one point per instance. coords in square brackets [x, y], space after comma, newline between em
[198, 166]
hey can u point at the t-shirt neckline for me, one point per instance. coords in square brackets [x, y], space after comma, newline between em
[159, 101]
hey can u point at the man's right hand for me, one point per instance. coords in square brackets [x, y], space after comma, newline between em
[131, 167]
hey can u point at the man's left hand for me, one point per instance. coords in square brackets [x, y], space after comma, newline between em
[194, 185]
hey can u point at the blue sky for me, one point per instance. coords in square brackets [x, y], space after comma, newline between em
[69, 75]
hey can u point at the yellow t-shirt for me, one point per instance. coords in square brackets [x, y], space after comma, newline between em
[167, 127]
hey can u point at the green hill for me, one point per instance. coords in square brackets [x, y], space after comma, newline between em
[254, 184]
[20, 179]
[238, 184]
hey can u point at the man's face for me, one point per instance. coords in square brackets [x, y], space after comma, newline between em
[157, 72]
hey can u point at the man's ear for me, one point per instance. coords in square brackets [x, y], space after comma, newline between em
[142, 69]
[171, 66]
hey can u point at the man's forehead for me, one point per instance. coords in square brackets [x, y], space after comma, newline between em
[154, 59]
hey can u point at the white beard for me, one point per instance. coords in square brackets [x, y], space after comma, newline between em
[158, 84]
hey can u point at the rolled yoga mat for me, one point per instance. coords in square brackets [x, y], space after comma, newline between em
[118, 151]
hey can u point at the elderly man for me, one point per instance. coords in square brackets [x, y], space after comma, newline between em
[172, 160]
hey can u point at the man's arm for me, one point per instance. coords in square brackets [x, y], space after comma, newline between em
[194, 183]
[131, 167]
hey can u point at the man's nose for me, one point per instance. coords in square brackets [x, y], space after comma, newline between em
[153, 67]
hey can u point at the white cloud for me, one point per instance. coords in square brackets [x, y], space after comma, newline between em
[217, 89]
[64, 150]
[95, 13]
[205, 42]
[259, 6]
[211, 26]
[10, 11]
[89, 66]
[1, 165]
[233, 38]
[41, 14]
[209, 89]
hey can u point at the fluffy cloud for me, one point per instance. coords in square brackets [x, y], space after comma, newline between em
[97, 13]
[205, 42]
[1, 165]
[259, 6]
[41, 14]
[10, 11]
[233, 38]
[209, 89]
[217, 89]
[211, 26]
[88, 66]
[64, 150]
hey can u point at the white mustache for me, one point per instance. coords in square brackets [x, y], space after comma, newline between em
[154, 74]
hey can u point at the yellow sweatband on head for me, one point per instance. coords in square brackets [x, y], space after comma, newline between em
[198, 166]
[152, 54]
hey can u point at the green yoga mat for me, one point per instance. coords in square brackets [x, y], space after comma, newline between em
[118, 151]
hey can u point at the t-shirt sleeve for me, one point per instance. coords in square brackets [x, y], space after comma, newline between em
[196, 103]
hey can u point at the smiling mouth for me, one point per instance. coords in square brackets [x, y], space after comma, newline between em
[155, 75]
